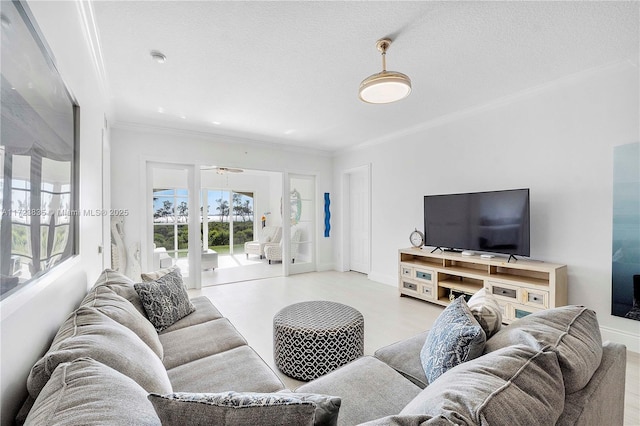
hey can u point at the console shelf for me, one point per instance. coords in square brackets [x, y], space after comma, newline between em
[521, 287]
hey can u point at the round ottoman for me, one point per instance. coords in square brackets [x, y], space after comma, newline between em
[311, 339]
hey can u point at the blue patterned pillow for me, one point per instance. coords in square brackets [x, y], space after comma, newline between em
[165, 300]
[248, 408]
[456, 337]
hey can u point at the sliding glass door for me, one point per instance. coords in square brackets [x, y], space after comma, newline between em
[171, 222]
[228, 222]
[175, 235]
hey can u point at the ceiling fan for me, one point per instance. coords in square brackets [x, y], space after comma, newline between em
[223, 170]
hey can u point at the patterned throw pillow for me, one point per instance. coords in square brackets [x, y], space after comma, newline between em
[165, 300]
[485, 308]
[455, 337]
[248, 408]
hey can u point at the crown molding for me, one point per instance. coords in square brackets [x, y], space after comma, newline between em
[92, 38]
[493, 104]
[219, 137]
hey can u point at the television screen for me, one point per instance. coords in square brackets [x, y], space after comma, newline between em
[496, 221]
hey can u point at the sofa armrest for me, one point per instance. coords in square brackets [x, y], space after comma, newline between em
[404, 357]
[602, 400]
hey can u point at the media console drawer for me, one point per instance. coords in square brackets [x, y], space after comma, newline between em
[407, 285]
[500, 290]
[424, 275]
[426, 290]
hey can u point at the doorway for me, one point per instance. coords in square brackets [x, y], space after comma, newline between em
[357, 219]
[235, 204]
[174, 231]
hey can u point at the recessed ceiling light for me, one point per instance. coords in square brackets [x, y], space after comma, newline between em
[217, 123]
[160, 110]
[290, 131]
[159, 57]
[184, 117]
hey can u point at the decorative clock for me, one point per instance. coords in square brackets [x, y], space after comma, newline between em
[416, 238]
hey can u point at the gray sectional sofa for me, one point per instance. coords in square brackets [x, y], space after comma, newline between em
[107, 358]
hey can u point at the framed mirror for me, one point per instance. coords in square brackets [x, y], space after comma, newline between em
[38, 152]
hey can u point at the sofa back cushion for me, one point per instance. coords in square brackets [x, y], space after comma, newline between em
[517, 385]
[86, 392]
[89, 333]
[122, 286]
[572, 331]
[119, 309]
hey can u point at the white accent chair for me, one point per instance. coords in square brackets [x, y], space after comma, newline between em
[274, 251]
[161, 258]
[267, 235]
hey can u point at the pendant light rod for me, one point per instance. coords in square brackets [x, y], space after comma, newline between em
[382, 45]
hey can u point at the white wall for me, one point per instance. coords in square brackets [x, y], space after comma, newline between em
[30, 318]
[132, 148]
[556, 140]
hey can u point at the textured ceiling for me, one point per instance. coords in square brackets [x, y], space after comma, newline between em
[288, 72]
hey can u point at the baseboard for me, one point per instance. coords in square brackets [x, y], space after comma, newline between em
[631, 341]
[391, 280]
[322, 267]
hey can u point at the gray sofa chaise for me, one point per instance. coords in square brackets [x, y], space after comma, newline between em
[107, 358]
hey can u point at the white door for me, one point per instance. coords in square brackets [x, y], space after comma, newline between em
[359, 221]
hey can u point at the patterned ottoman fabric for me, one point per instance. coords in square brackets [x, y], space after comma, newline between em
[311, 339]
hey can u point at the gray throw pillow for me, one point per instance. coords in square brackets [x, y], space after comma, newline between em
[248, 408]
[455, 337]
[86, 392]
[152, 276]
[485, 308]
[165, 300]
[515, 386]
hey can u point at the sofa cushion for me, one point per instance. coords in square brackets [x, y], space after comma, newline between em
[152, 276]
[517, 385]
[198, 341]
[86, 392]
[205, 311]
[368, 388]
[165, 300]
[122, 311]
[601, 402]
[455, 337]
[486, 310]
[239, 369]
[122, 286]
[572, 331]
[404, 357]
[233, 408]
[97, 336]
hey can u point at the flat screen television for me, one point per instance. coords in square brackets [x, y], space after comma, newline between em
[494, 221]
